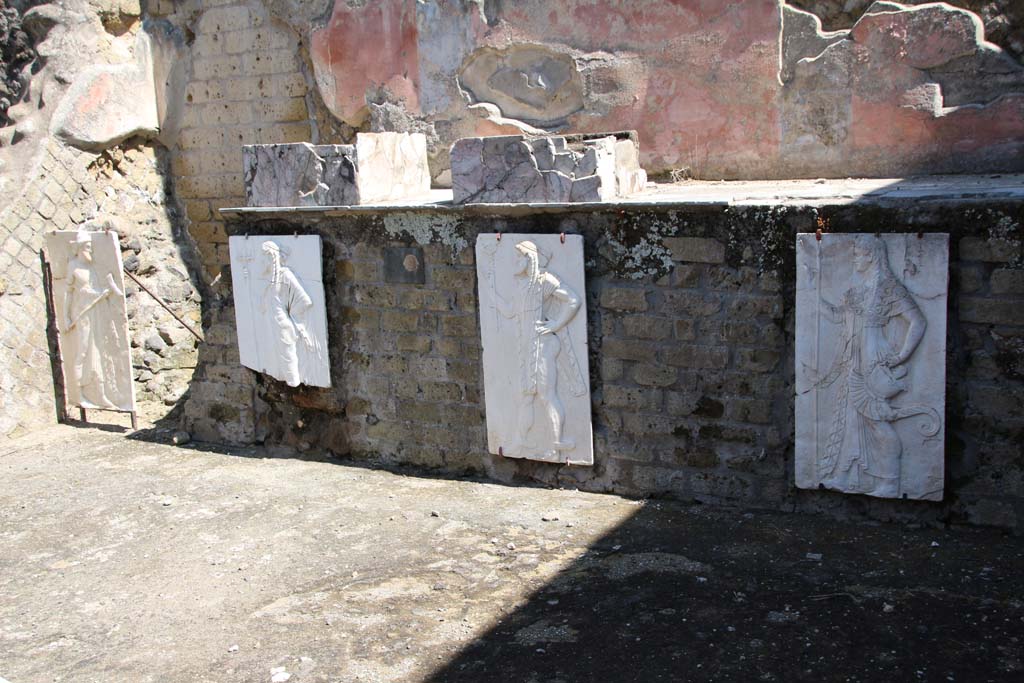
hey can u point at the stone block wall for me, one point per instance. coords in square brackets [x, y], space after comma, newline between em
[986, 450]
[691, 355]
[414, 383]
[245, 85]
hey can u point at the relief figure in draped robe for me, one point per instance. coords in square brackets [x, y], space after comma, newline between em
[86, 322]
[882, 327]
[288, 305]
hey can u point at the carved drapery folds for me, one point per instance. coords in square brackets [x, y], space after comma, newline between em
[870, 363]
[92, 320]
[279, 307]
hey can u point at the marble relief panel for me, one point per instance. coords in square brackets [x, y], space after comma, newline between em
[871, 363]
[280, 309]
[533, 323]
[92, 319]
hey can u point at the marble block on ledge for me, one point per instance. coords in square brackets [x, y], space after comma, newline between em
[380, 167]
[549, 169]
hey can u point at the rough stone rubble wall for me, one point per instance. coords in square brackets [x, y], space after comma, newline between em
[123, 189]
[48, 185]
[691, 356]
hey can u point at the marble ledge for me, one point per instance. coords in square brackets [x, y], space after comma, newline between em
[951, 189]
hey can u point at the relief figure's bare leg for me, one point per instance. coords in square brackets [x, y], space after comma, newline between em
[556, 415]
[548, 387]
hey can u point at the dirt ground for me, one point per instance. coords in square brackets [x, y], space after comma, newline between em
[131, 560]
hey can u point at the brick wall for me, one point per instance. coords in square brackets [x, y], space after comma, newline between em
[411, 364]
[692, 396]
[246, 86]
[691, 345]
[986, 396]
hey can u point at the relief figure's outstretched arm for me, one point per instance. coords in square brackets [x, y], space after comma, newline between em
[112, 286]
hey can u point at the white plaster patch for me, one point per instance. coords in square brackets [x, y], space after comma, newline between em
[533, 322]
[280, 310]
[871, 363]
[92, 319]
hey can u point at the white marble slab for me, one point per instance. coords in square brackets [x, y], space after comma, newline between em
[871, 363]
[280, 311]
[92, 319]
[533, 322]
[391, 166]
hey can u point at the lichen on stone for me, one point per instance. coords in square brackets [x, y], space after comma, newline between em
[427, 228]
[636, 248]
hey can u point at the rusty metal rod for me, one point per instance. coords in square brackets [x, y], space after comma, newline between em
[162, 303]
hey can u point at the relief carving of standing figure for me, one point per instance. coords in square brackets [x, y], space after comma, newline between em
[542, 307]
[288, 304]
[882, 326]
[84, 324]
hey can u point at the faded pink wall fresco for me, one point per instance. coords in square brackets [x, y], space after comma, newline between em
[700, 80]
[887, 84]
[364, 49]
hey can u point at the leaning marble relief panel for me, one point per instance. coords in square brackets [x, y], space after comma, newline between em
[533, 322]
[871, 363]
[92, 319]
[280, 310]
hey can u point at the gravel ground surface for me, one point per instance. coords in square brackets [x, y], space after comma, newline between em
[130, 560]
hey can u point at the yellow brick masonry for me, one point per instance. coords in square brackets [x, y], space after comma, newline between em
[247, 87]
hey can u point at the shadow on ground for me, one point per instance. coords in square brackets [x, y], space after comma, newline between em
[688, 594]
[681, 592]
[124, 559]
